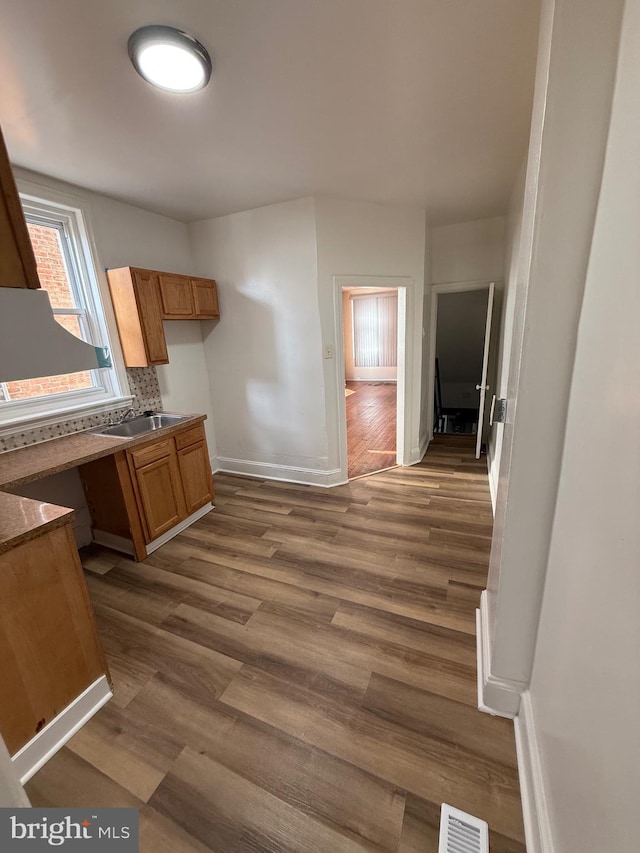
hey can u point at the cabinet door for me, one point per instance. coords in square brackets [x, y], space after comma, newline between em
[49, 645]
[205, 297]
[161, 497]
[17, 261]
[148, 299]
[176, 297]
[195, 471]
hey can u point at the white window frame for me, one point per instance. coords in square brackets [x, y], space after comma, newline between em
[111, 391]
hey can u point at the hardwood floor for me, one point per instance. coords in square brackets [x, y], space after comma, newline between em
[371, 427]
[296, 671]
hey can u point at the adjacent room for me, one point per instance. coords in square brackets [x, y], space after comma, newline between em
[371, 353]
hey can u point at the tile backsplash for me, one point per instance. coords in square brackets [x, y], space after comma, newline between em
[143, 382]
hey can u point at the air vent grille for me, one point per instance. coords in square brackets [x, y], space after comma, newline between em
[461, 832]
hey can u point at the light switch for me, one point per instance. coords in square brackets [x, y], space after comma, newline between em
[328, 351]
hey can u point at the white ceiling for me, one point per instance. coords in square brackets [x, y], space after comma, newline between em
[422, 102]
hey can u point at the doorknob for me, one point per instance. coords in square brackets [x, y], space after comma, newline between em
[479, 387]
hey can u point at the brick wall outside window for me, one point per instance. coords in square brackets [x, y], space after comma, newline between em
[53, 278]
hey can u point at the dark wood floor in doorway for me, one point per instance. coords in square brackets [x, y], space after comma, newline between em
[296, 672]
[371, 427]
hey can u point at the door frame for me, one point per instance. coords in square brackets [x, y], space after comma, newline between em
[436, 290]
[403, 285]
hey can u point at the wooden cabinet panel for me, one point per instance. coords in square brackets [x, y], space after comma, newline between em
[190, 436]
[17, 261]
[136, 304]
[49, 645]
[151, 452]
[176, 296]
[195, 471]
[161, 497]
[205, 298]
[148, 299]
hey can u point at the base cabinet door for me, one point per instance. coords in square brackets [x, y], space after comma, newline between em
[49, 644]
[161, 498]
[195, 471]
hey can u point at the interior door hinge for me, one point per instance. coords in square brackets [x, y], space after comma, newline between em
[498, 413]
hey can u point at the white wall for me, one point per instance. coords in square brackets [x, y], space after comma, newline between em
[276, 400]
[184, 382]
[585, 689]
[468, 251]
[385, 241]
[426, 388]
[265, 356]
[572, 106]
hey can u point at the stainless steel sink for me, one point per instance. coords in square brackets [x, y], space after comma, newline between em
[140, 425]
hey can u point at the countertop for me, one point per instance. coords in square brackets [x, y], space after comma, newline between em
[22, 519]
[36, 461]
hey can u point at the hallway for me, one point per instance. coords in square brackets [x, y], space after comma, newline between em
[297, 671]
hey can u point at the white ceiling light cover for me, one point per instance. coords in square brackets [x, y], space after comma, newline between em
[170, 59]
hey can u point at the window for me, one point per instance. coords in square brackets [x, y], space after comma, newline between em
[66, 270]
[375, 330]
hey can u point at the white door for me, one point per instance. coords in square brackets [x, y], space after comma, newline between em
[483, 387]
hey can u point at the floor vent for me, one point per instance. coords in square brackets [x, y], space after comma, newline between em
[461, 832]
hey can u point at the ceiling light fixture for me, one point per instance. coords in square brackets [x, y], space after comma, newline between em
[170, 59]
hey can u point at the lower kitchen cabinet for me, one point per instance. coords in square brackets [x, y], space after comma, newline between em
[139, 495]
[49, 644]
[195, 468]
[160, 494]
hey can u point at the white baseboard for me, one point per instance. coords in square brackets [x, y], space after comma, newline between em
[116, 543]
[53, 736]
[493, 479]
[82, 533]
[537, 827]
[417, 453]
[497, 696]
[286, 473]
[161, 540]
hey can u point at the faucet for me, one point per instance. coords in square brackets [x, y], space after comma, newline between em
[130, 413]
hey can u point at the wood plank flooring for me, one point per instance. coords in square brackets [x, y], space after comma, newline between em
[296, 671]
[371, 427]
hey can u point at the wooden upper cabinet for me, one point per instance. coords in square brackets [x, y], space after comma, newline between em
[136, 304]
[176, 295]
[205, 298]
[17, 261]
[142, 299]
[188, 298]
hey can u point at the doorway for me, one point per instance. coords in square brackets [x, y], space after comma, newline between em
[371, 373]
[461, 362]
[370, 317]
